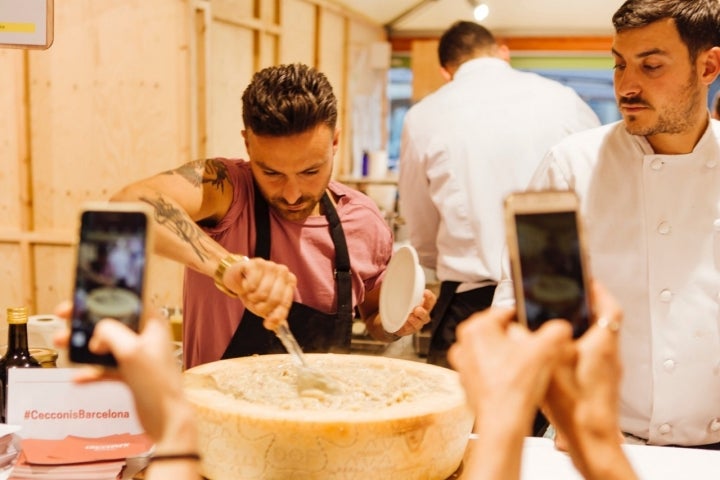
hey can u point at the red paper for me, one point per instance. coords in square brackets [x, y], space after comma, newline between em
[111, 470]
[72, 449]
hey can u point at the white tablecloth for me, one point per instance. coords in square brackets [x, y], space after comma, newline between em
[541, 461]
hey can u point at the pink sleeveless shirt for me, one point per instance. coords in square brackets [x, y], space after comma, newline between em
[211, 317]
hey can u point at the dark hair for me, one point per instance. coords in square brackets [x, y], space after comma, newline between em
[462, 41]
[697, 21]
[288, 99]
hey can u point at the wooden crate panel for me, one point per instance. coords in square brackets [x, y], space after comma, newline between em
[297, 43]
[12, 134]
[230, 70]
[233, 9]
[54, 274]
[269, 11]
[268, 50]
[11, 275]
[118, 113]
[331, 47]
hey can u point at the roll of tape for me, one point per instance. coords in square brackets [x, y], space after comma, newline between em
[41, 332]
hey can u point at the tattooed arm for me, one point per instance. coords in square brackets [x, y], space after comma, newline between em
[197, 191]
[200, 191]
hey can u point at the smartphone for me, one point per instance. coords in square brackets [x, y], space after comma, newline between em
[110, 272]
[547, 258]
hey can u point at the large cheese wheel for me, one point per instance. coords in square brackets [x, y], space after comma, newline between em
[392, 419]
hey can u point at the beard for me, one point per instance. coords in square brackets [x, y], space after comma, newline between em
[677, 117]
[288, 211]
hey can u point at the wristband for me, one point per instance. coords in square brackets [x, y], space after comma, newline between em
[224, 264]
[193, 456]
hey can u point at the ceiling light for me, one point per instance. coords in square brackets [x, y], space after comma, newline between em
[480, 9]
[481, 12]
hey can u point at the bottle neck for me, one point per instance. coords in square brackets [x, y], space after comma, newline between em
[17, 337]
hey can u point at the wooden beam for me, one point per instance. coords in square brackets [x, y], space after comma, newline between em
[559, 44]
[545, 44]
[53, 237]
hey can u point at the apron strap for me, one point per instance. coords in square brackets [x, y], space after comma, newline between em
[343, 279]
[262, 225]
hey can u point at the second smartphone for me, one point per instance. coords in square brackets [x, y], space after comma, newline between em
[110, 273]
[547, 258]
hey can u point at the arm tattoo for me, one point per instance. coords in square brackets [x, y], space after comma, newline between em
[191, 171]
[172, 218]
[215, 173]
[197, 172]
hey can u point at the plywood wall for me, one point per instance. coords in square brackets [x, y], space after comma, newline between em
[132, 87]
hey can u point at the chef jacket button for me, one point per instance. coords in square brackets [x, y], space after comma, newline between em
[669, 365]
[666, 295]
[715, 425]
[665, 428]
[711, 163]
[664, 228]
[656, 164]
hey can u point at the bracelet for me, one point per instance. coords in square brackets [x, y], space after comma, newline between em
[193, 456]
[224, 264]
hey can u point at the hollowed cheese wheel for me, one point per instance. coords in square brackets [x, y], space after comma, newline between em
[393, 419]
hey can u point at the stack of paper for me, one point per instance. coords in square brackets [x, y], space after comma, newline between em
[78, 458]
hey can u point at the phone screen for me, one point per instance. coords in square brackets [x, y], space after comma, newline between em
[109, 277]
[552, 269]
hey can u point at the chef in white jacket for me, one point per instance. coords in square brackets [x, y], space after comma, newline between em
[650, 192]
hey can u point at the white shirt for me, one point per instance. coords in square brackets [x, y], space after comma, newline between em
[653, 225]
[467, 145]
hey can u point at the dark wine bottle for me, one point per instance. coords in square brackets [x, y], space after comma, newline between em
[18, 353]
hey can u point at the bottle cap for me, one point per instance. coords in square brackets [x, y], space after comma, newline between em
[17, 315]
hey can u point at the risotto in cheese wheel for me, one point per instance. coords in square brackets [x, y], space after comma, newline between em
[390, 419]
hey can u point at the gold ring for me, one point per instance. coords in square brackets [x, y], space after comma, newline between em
[612, 325]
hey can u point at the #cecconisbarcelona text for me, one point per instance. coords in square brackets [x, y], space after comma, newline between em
[76, 414]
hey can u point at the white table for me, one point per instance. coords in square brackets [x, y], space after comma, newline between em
[542, 461]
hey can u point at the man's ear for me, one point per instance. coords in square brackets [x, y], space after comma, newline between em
[503, 52]
[446, 74]
[710, 65]
[336, 140]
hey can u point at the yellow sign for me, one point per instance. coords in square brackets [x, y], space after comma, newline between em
[17, 27]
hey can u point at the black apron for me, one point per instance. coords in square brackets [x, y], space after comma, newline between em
[315, 331]
[451, 309]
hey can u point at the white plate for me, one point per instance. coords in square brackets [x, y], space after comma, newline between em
[402, 288]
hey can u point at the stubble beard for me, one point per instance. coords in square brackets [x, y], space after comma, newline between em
[675, 119]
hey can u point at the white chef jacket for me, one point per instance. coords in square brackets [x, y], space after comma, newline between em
[467, 145]
[653, 228]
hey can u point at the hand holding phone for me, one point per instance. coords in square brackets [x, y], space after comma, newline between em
[110, 273]
[547, 258]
